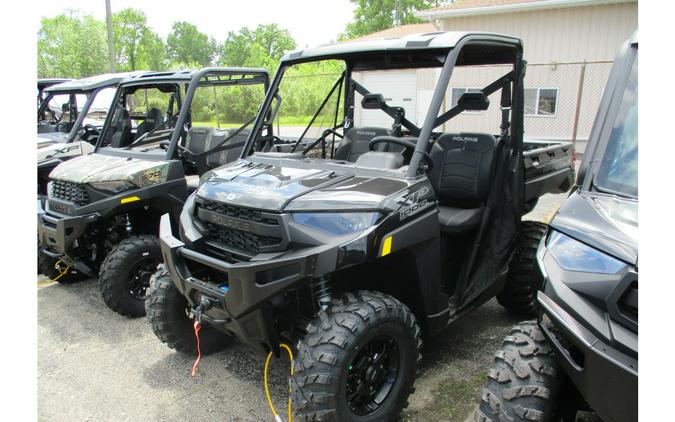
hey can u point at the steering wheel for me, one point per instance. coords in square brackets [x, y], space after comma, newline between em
[62, 127]
[409, 146]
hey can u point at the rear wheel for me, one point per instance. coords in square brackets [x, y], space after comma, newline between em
[357, 361]
[524, 278]
[168, 311]
[125, 274]
[524, 384]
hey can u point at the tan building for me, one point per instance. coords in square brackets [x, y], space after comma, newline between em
[569, 46]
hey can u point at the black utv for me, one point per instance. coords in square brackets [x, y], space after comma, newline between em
[102, 213]
[70, 119]
[579, 360]
[348, 241]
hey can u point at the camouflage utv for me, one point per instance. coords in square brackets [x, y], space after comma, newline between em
[163, 132]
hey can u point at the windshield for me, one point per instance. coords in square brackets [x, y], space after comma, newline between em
[100, 104]
[310, 101]
[140, 111]
[61, 108]
[618, 171]
[204, 122]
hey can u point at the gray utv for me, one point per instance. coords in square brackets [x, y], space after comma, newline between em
[579, 360]
[350, 243]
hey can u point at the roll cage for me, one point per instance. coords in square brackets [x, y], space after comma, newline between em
[462, 49]
[182, 85]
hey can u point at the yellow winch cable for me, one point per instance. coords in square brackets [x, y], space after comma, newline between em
[62, 273]
[277, 418]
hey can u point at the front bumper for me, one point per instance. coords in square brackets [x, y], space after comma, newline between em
[57, 234]
[243, 293]
[596, 353]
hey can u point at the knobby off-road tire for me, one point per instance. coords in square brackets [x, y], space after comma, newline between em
[125, 274]
[524, 384]
[339, 340]
[46, 266]
[167, 311]
[524, 278]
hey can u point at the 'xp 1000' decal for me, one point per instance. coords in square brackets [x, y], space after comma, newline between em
[413, 202]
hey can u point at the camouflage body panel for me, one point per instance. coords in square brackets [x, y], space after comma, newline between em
[103, 168]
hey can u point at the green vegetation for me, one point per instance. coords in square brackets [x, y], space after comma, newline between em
[375, 15]
[75, 46]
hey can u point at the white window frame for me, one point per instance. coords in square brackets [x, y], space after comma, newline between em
[536, 102]
[466, 89]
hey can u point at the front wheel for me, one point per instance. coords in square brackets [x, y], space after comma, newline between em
[125, 274]
[524, 279]
[357, 361]
[524, 384]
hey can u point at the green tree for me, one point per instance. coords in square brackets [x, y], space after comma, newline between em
[136, 45]
[71, 45]
[262, 47]
[185, 44]
[152, 52]
[375, 15]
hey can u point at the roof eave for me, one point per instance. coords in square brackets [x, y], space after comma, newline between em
[511, 8]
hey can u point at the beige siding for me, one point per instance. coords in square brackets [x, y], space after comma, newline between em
[575, 34]
[552, 38]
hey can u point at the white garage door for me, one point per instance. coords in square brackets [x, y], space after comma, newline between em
[399, 89]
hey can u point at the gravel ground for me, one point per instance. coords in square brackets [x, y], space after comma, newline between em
[94, 365]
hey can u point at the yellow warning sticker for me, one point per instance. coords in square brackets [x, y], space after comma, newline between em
[129, 199]
[386, 246]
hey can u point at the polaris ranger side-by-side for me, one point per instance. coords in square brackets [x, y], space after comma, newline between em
[348, 244]
[102, 213]
[71, 128]
[579, 360]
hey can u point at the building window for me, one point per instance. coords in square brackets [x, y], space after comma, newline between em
[541, 101]
[457, 93]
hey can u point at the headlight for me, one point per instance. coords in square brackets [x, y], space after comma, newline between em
[573, 255]
[113, 186]
[337, 223]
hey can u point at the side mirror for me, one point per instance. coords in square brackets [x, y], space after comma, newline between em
[373, 102]
[474, 101]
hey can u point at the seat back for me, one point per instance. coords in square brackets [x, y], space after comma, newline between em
[356, 142]
[201, 139]
[153, 118]
[223, 157]
[197, 139]
[122, 135]
[463, 168]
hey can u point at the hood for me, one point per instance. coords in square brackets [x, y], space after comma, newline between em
[606, 222]
[100, 168]
[46, 139]
[284, 188]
